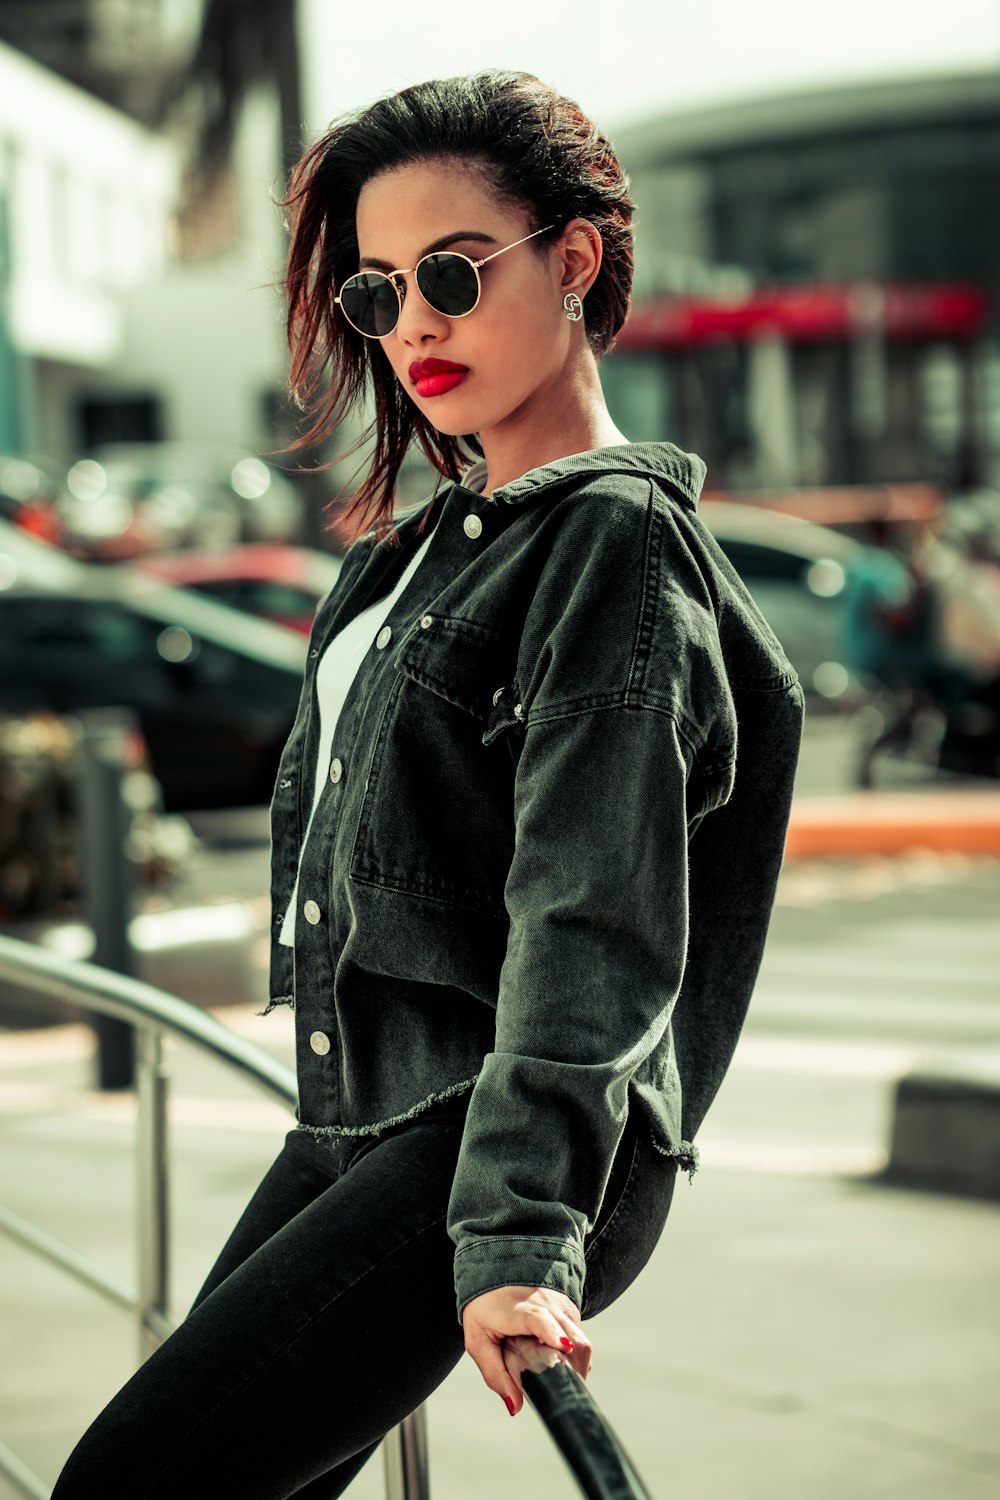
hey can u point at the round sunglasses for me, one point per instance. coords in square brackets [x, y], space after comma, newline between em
[448, 281]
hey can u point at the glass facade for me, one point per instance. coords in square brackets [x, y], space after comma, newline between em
[908, 203]
[878, 359]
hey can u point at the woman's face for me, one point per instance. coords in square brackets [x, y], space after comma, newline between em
[514, 345]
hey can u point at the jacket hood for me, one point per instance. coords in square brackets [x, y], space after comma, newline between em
[683, 472]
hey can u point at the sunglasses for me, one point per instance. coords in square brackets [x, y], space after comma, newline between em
[448, 281]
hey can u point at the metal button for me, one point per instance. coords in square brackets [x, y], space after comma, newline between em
[314, 651]
[320, 1042]
[383, 638]
[518, 711]
[311, 912]
[472, 526]
[497, 696]
[336, 769]
[426, 621]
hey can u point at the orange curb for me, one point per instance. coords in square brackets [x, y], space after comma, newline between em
[856, 823]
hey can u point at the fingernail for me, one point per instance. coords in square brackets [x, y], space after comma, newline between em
[509, 1404]
[567, 1344]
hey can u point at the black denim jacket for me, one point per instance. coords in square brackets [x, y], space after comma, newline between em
[544, 859]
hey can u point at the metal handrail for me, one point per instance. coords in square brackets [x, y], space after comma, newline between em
[49, 976]
[556, 1392]
[576, 1424]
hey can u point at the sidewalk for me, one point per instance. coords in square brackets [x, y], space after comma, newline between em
[797, 1333]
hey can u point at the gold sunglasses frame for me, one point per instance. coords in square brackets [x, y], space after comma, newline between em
[412, 270]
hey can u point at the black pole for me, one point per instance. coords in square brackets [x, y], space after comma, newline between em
[103, 818]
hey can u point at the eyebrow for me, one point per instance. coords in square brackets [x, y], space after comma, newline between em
[469, 235]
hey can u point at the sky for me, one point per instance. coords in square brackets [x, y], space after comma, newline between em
[625, 60]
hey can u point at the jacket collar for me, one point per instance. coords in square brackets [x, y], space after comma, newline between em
[683, 472]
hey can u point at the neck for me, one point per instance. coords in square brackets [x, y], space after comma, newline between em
[570, 417]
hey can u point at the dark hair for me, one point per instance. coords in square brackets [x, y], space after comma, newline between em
[537, 150]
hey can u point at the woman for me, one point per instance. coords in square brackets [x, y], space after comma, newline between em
[520, 886]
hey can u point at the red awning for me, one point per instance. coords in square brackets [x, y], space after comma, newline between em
[899, 310]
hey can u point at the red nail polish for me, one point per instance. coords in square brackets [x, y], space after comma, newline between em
[568, 1345]
[509, 1404]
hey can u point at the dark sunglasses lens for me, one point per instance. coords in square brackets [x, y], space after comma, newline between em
[449, 283]
[370, 302]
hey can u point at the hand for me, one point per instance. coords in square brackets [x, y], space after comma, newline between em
[547, 1316]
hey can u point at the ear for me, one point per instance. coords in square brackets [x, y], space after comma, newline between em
[581, 249]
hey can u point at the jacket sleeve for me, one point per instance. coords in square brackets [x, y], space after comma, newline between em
[623, 699]
[597, 900]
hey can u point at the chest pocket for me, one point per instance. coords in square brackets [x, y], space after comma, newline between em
[437, 813]
[456, 659]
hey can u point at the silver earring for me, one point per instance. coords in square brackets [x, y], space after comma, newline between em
[573, 306]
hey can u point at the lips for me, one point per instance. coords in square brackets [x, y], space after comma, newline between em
[434, 377]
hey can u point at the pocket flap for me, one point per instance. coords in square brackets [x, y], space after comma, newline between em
[455, 659]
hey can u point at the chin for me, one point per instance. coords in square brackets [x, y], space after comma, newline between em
[447, 426]
[447, 429]
[458, 420]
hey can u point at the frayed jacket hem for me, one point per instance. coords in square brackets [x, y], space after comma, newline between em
[449, 1093]
[686, 1154]
[288, 1000]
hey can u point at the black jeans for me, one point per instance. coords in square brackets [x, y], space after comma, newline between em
[328, 1316]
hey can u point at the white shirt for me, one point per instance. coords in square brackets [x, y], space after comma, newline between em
[337, 669]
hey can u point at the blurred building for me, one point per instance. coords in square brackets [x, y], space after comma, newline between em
[191, 346]
[86, 197]
[818, 285]
[125, 52]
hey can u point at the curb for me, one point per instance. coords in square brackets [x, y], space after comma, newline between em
[847, 824]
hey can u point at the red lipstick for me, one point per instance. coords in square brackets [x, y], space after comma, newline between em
[435, 377]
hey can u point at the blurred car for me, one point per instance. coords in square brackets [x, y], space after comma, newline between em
[127, 499]
[215, 691]
[27, 559]
[30, 492]
[797, 573]
[283, 584]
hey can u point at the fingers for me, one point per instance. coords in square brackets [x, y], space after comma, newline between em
[489, 1356]
[555, 1322]
[571, 1341]
[581, 1355]
[557, 1325]
[507, 1334]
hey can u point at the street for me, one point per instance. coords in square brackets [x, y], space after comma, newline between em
[801, 1330]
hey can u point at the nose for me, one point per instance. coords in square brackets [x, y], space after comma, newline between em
[418, 321]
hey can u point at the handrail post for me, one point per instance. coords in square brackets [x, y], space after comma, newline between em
[405, 1454]
[105, 754]
[152, 1196]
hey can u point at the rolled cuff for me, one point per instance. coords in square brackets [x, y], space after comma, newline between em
[513, 1260]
